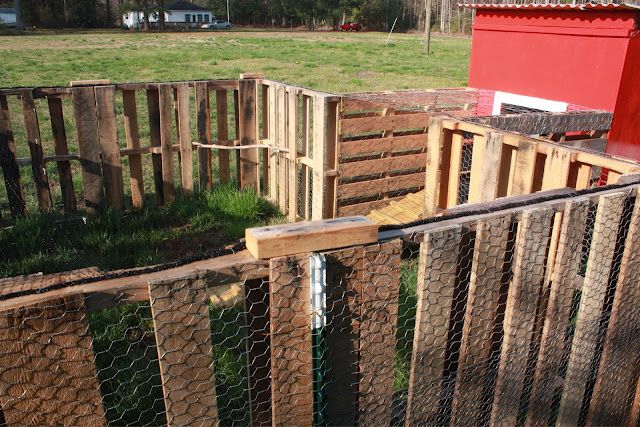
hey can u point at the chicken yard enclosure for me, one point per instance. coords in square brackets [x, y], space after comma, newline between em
[499, 297]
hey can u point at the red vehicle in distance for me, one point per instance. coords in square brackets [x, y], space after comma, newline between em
[350, 26]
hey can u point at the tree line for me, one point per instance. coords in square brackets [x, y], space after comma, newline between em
[402, 15]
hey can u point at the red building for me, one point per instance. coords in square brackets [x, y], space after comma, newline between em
[561, 57]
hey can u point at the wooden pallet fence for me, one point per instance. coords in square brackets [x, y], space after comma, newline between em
[494, 375]
[105, 137]
[505, 164]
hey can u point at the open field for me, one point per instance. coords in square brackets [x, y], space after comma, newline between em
[329, 61]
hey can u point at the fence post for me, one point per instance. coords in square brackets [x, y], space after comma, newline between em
[248, 132]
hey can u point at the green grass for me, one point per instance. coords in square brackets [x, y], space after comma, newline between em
[329, 61]
[52, 243]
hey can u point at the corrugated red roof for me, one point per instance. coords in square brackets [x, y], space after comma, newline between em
[547, 6]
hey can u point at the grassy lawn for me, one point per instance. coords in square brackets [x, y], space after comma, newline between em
[329, 61]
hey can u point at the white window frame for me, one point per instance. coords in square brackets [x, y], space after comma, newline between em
[527, 102]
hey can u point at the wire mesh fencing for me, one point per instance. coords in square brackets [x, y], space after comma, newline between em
[526, 316]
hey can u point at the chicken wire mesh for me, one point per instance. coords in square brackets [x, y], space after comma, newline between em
[525, 317]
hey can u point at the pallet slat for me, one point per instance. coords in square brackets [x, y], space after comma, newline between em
[132, 136]
[180, 310]
[222, 113]
[61, 149]
[594, 289]
[109, 146]
[383, 165]
[248, 128]
[34, 141]
[379, 145]
[10, 169]
[363, 125]
[437, 275]
[364, 189]
[166, 141]
[203, 125]
[291, 362]
[153, 108]
[49, 376]
[86, 118]
[184, 138]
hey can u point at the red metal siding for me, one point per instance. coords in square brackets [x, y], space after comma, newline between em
[571, 56]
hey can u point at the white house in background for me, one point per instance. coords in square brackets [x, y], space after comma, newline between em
[178, 14]
[7, 17]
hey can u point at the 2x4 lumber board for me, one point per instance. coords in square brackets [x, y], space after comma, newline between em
[305, 189]
[380, 145]
[112, 292]
[132, 136]
[381, 186]
[34, 142]
[383, 165]
[342, 331]
[378, 325]
[292, 155]
[615, 384]
[10, 169]
[486, 282]
[524, 168]
[396, 122]
[273, 137]
[320, 113]
[455, 165]
[531, 245]
[222, 121]
[180, 311]
[582, 175]
[445, 172]
[153, 108]
[61, 149]
[165, 94]
[332, 154]
[291, 352]
[32, 282]
[86, 118]
[109, 145]
[558, 313]
[433, 160]
[248, 133]
[594, 290]
[264, 134]
[184, 133]
[437, 276]
[556, 169]
[203, 125]
[49, 376]
[485, 167]
[289, 239]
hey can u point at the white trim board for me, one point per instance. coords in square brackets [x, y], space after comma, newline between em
[526, 101]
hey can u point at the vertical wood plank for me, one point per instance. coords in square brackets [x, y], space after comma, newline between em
[248, 128]
[556, 169]
[291, 358]
[319, 157]
[486, 281]
[132, 135]
[583, 179]
[281, 142]
[437, 275]
[378, 324]
[273, 140]
[564, 284]
[485, 167]
[35, 148]
[331, 152]
[10, 169]
[265, 135]
[454, 169]
[153, 107]
[594, 289]
[292, 155]
[86, 118]
[634, 412]
[166, 141]
[61, 148]
[305, 190]
[520, 314]
[343, 294]
[180, 310]
[507, 172]
[203, 124]
[616, 380]
[524, 167]
[222, 118]
[435, 141]
[109, 146]
[184, 133]
[236, 110]
[48, 374]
